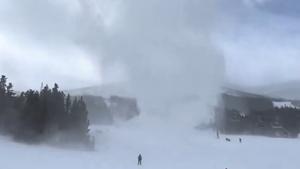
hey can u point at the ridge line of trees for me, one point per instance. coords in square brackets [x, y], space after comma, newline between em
[38, 116]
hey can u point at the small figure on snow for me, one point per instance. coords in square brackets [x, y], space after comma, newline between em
[140, 158]
[240, 140]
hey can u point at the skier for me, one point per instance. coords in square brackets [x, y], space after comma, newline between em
[140, 158]
[240, 140]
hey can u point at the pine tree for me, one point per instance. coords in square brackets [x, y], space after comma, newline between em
[56, 110]
[68, 104]
[79, 118]
[83, 117]
[45, 103]
[32, 118]
[2, 96]
[34, 115]
[3, 85]
[20, 102]
[9, 90]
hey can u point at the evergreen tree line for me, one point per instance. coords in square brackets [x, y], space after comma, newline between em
[37, 116]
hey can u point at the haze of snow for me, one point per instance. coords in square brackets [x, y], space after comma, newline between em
[161, 51]
[165, 51]
[170, 64]
[164, 147]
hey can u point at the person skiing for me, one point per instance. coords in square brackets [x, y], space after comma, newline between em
[140, 158]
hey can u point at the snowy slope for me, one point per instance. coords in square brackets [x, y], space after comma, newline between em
[163, 146]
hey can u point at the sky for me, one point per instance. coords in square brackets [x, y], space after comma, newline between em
[261, 42]
[68, 41]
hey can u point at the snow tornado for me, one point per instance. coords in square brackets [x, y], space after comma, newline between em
[164, 51]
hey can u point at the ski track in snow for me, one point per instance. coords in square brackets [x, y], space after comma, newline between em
[166, 147]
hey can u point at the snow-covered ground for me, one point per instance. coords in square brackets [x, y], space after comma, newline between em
[163, 146]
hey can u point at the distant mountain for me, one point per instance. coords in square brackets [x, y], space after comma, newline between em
[288, 90]
[102, 90]
[240, 93]
[99, 110]
[241, 112]
[246, 101]
[108, 103]
[108, 110]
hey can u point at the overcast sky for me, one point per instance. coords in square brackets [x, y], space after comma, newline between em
[45, 41]
[262, 42]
